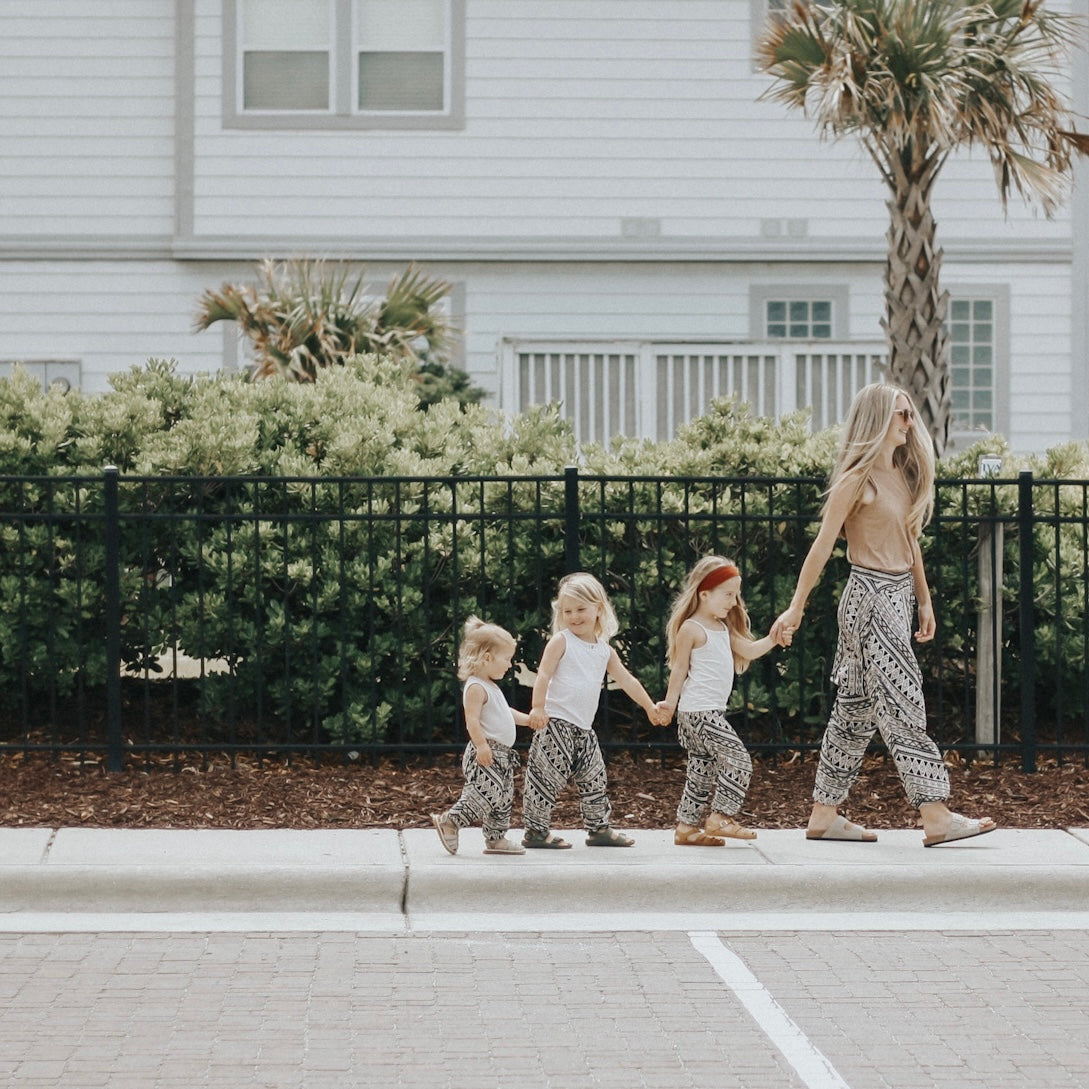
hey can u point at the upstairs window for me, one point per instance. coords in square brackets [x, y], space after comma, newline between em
[343, 63]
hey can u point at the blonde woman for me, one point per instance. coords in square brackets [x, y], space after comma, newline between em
[565, 700]
[709, 639]
[880, 497]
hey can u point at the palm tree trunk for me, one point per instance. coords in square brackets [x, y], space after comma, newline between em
[915, 307]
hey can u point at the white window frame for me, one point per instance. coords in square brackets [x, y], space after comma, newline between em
[998, 295]
[761, 294]
[342, 112]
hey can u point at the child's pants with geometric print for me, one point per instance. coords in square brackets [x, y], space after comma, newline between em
[558, 753]
[488, 794]
[879, 687]
[717, 760]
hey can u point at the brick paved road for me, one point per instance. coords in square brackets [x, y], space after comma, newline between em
[549, 1011]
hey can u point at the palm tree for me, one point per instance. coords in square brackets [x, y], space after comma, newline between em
[914, 80]
[304, 315]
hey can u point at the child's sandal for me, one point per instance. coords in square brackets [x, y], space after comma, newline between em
[545, 840]
[608, 837]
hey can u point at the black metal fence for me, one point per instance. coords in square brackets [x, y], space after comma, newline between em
[162, 618]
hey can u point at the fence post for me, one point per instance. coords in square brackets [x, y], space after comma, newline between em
[114, 748]
[1027, 628]
[571, 559]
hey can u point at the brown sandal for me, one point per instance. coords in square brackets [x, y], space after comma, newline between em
[728, 828]
[696, 838]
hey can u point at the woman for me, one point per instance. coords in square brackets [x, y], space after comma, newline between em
[880, 498]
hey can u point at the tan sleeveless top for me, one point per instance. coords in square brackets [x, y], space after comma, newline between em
[876, 531]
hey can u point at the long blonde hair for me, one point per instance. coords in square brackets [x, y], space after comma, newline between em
[586, 588]
[478, 640]
[688, 601]
[867, 425]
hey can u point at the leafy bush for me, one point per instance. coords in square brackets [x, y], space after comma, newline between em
[324, 542]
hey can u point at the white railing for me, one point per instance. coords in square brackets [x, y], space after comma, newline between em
[649, 389]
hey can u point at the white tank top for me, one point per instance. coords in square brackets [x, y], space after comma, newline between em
[496, 717]
[710, 674]
[575, 689]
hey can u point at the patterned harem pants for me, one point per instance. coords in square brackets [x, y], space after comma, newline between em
[717, 760]
[558, 753]
[488, 794]
[879, 687]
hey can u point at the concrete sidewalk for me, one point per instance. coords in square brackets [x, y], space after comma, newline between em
[397, 874]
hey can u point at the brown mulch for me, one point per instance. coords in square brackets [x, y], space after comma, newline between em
[644, 792]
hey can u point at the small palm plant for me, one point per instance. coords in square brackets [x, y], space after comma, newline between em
[305, 314]
[914, 80]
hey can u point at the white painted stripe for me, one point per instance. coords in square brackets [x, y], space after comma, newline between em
[321, 922]
[811, 1065]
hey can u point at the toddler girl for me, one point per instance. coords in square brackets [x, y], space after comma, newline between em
[489, 759]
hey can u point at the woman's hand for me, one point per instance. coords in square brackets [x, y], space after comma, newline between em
[786, 624]
[927, 624]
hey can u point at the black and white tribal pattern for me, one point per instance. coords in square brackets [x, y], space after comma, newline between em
[488, 795]
[558, 753]
[717, 761]
[879, 687]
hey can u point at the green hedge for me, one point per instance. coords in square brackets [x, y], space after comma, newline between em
[345, 629]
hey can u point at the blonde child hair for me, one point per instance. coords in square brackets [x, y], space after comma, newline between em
[478, 639]
[688, 600]
[586, 588]
[860, 446]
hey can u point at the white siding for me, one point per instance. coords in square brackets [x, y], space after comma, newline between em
[87, 121]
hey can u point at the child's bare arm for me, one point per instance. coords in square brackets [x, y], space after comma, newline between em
[631, 685]
[553, 652]
[682, 656]
[474, 700]
[520, 717]
[751, 649]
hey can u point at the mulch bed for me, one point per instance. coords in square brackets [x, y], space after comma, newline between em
[644, 793]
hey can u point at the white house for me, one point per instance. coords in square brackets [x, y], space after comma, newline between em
[629, 227]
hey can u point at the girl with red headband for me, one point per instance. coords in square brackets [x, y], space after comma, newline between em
[709, 639]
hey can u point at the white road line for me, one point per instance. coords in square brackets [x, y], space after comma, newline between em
[811, 1065]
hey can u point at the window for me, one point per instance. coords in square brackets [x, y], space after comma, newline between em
[65, 374]
[804, 312]
[975, 325]
[343, 63]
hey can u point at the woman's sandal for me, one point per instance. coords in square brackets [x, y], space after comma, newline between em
[961, 827]
[728, 828]
[696, 838]
[545, 840]
[608, 837]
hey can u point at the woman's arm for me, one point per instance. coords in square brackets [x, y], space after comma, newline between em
[840, 499]
[928, 624]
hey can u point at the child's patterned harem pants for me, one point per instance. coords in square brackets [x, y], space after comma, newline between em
[488, 794]
[717, 760]
[558, 753]
[879, 687]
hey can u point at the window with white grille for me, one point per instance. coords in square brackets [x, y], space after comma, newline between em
[973, 362]
[344, 63]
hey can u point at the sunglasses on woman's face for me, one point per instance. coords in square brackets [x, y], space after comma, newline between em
[906, 414]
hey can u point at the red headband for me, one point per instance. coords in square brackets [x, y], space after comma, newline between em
[719, 575]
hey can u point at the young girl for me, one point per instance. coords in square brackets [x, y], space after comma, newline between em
[565, 700]
[709, 640]
[880, 498]
[489, 760]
